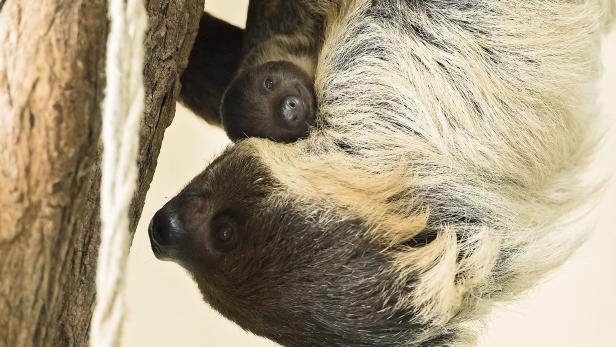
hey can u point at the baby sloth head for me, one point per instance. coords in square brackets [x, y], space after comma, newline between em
[274, 100]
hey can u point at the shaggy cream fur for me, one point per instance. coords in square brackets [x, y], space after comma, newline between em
[473, 121]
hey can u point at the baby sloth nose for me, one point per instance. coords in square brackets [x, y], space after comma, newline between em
[166, 233]
[294, 111]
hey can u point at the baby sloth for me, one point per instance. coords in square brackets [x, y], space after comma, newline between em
[273, 100]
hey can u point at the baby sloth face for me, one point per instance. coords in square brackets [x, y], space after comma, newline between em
[274, 100]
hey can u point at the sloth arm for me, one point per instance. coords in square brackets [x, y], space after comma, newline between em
[212, 64]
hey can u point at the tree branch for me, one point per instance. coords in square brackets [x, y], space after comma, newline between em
[51, 88]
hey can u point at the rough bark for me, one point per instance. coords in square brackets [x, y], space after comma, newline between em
[51, 87]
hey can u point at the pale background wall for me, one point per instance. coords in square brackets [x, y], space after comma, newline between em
[574, 307]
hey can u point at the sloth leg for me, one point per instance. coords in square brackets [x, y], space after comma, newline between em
[213, 62]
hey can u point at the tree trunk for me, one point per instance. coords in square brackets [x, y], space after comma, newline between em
[52, 55]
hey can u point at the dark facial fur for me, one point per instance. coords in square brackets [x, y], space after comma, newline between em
[261, 263]
[274, 100]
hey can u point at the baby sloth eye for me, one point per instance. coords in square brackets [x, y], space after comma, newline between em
[224, 233]
[268, 83]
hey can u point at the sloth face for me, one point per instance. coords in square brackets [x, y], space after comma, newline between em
[274, 100]
[295, 277]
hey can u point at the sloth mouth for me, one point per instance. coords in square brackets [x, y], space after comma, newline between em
[306, 99]
[155, 246]
[156, 249]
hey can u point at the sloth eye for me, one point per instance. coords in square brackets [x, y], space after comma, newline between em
[224, 233]
[268, 83]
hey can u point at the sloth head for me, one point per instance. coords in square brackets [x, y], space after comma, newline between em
[297, 273]
[274, 100]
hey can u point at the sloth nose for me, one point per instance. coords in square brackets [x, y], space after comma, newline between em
[166, 233]
[294, 111]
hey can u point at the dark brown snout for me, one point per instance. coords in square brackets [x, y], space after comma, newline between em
[167, 233]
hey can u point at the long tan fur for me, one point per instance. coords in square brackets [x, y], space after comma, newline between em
[491, 123]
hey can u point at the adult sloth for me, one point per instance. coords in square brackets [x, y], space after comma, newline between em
[437, 181]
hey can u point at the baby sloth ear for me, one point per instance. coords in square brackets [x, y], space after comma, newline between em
[275, 100]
